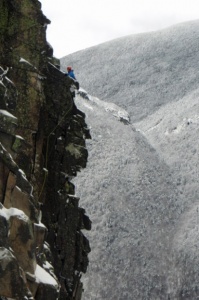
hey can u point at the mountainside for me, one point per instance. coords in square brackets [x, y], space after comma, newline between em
[141, 72]
[140, 187]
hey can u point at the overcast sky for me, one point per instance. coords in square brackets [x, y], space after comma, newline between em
[79, 24]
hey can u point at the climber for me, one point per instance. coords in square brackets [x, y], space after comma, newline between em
[74, 83]
[71, 72]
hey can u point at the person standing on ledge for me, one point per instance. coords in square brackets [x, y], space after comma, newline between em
[71, 73]
[75, 84]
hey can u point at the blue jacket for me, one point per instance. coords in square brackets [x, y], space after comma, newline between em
[71, 74]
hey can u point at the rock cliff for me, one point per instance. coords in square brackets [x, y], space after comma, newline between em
[43, 251]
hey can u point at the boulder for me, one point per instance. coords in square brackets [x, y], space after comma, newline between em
[12, 277]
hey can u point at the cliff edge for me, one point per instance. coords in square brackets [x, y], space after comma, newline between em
[43, 251]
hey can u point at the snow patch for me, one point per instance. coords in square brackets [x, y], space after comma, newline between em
[19, 137]
[114, 109]
[6, 113]
[22, 60]
[40, 225]
[10, 212]
[88, 106]
[43, 277]
[110, 107]
[3, 253]
[9, 80]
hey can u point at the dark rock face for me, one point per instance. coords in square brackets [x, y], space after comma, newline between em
[42, 147]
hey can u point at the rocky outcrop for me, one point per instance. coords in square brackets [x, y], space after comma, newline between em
[43, 251]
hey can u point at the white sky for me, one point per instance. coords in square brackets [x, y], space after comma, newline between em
[79, 24]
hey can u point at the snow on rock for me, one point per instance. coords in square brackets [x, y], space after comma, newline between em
[7, 114]
[11, 212]
[22, 60]
[49, 268]
[5, 256]
[8, 122]
[3, 72]
[43, 277]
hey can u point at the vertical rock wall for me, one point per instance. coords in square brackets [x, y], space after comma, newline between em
[43, 251]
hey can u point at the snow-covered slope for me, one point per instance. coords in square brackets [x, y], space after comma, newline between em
[137, 209]
[174, 130]
[141, 72]
[141, 187]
